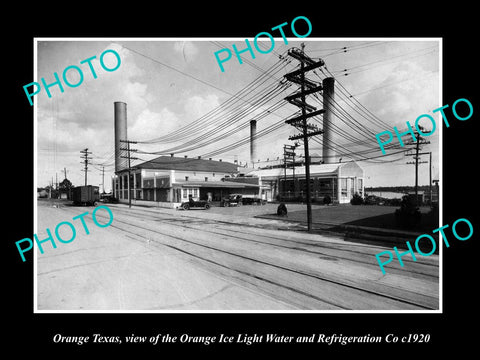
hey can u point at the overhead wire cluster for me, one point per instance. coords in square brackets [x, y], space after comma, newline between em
[256, 101]
[263, 97]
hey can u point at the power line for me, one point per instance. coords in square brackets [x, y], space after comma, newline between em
[396, 82]
[404, 56]
[177, 70]
[85, 157]
[229, 106]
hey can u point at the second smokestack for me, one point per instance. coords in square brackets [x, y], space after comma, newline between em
[253, 147]
[329, 155]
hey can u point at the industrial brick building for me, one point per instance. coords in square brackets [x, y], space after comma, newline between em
[339, 181]
[167, 181]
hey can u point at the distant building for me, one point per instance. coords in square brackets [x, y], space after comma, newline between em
[167, 181]
[339, 181]
[386, 194]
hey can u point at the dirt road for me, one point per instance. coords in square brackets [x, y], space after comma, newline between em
[152, 259]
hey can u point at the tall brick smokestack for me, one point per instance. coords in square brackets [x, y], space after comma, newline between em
[120, 114]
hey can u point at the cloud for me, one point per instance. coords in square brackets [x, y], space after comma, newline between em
[196, 106]
[149, 125]
[402, 95]
[68, 136]
[83, 117]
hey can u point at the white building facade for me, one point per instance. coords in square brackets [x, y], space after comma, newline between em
[169, 181]
[339, 181]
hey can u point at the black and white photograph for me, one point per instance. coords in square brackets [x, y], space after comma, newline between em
[243, 182]
[205, 174]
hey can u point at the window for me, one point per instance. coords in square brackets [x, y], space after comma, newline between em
[186, 178]
[213, 174]
[195, 193]
[148, 183]
[325, 187]
[206, 178]
[137, 180]
[185, 193]
[343, 185]
[148, 194]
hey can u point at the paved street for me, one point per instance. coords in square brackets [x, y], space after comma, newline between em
[162, 259]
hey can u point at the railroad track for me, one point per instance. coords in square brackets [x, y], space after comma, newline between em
[297, 284]
[357, 254]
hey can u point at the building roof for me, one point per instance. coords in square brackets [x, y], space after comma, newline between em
[315, 170]
[216, 184]
[188, 164]
[327, 169]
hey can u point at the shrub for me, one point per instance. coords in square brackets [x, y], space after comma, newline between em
[327, 200]
[356, 199]
[409, 214]
[282, 209]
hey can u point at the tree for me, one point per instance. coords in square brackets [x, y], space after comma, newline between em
[65, 185]
[409, 213]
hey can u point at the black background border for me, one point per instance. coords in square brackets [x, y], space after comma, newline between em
[26, 330]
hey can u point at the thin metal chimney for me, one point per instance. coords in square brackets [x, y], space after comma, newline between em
[120, 118]
[253, 146]
[329, 154]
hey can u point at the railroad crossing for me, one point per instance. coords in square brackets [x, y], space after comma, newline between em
[156, 259]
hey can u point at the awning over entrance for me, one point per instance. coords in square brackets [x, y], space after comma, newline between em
[215, 184]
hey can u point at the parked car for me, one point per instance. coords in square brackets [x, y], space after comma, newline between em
[199, 204]
[232, 200]
[253, 201]
[239, 200]
[108, 198]
[374, 200]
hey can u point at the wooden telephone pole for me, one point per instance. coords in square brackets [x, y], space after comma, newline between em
[298, 99]
[85, 157]
[417, 143]
[128, 142]
[288, 158]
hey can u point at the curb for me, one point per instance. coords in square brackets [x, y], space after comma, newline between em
[371, 235]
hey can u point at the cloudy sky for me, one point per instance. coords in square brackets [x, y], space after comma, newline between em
[171, 84]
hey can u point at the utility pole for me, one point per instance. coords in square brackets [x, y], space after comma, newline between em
[289, 157]
[85, 157]
[430, 176]
[418, 142]
[300, 122]
[128, 142]
[103, 179]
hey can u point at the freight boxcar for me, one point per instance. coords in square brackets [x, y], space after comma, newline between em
[85, 195]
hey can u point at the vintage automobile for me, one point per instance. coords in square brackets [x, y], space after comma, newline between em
[232, 200]
[239, 200]
[199, 204]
